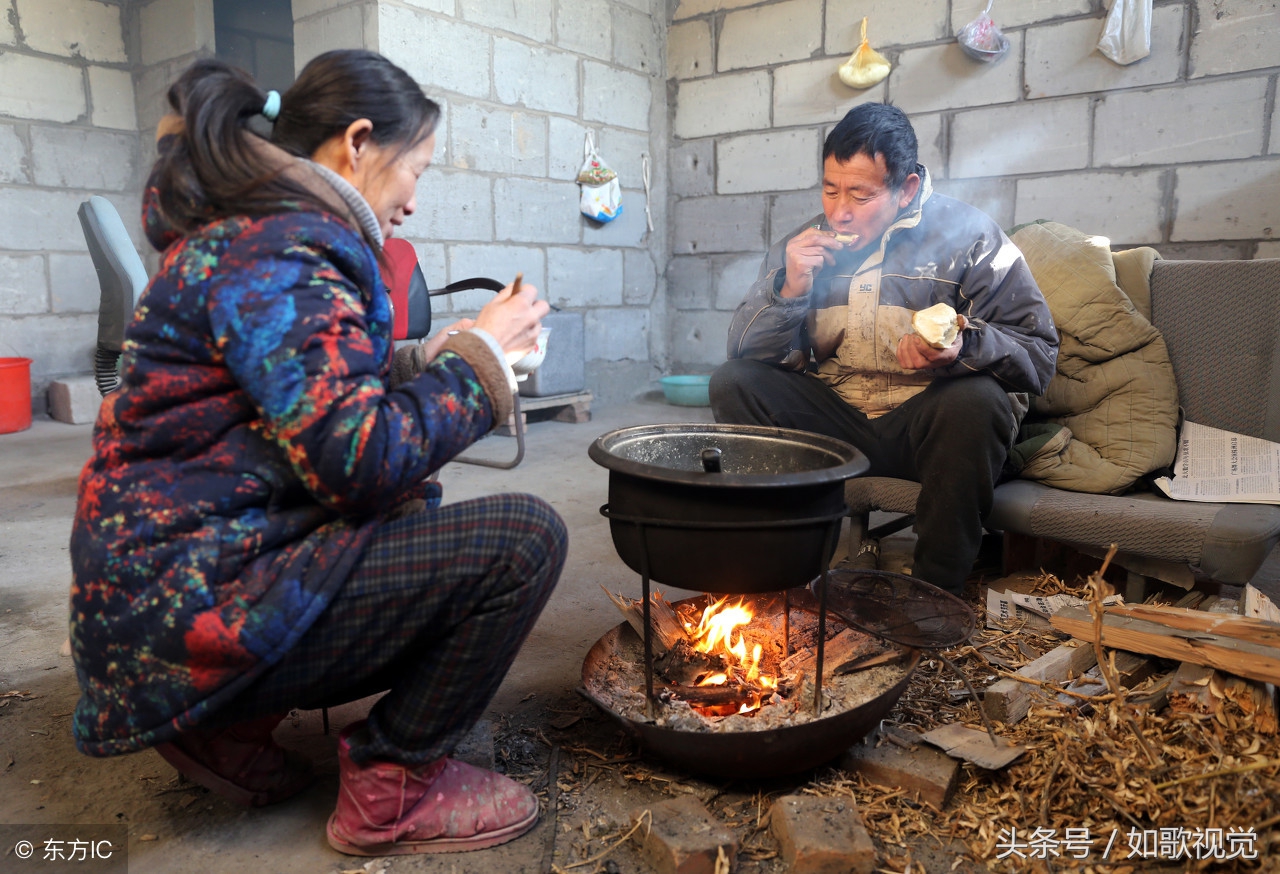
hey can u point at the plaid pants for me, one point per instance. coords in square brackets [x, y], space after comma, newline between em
[434, 615]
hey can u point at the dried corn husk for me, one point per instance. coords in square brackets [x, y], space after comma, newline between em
[866, 66]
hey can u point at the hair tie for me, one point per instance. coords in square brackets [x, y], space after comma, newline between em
[272, 107]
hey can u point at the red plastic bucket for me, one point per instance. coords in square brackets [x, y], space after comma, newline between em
[15, 394]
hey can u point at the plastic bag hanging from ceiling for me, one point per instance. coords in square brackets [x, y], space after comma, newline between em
[866, 66]
[981, 40]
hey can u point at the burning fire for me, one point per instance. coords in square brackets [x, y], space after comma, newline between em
[715, 635]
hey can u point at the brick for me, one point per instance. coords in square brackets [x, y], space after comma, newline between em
[73, 28]
[622, 150]
[77, 158]
[538, 78]
[440, 54]
[733, 278]
[1180, 125]
[1237, 200]
[584, 277]
[886, 24]
[585, 27]
[355, 27]
[766, 35]
[452, 205]
[1062, 58]
[564, 147]
[684, 837]
[531, 18]
[306, 8]
[39, 88]
[496, 262]
[1122, 206]
[645, 6]
[172, 30]
[789, 211]
[725, 104]
[150, 87]
[698, 340]
[617, 334]
[23, 288]
[924, 772]
[8, 35]
[637, 41]
[1234, 35]
[537, 211]
[812, 93]
[821, 835]
[692, 168]
[57, 345]
[111, 96]
[73, 284]
[33, 220]
[943, 77]
[639, 277]
[628, 228]
[689, 50]
[690, 8]
[497, 140]
[689, 283]
[782, 161]
[928, 130]
[1017, 14]
[74, 400]
[434, 264]
[1033, 137]
[614, 96]
[1268, 250]
[719, 224]
[1274, 140]
[992, 196]
[14, 166]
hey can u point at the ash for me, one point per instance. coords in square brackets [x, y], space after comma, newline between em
[619, 684]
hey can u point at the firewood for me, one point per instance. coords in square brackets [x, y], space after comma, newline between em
[1234, 655]
[845, 647]
[1258, 606]
[1189, 689]
[1008, 700]
[667, 630]
[1230, 625]
[685, 666]
[1131, 670]
[1256, 700]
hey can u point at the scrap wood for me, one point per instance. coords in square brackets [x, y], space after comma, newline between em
[667, 630]
[1229, 625]
[1258, 606]
[1235, 656]
[1191, 689]
[1008, 700]
[1131, 670]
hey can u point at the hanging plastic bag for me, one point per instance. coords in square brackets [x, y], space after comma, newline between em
[601, 197]
[1126, 34]
[866, 66]
[981, 40]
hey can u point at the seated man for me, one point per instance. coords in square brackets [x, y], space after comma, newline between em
[823, 340]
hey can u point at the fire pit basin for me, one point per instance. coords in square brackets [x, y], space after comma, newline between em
[725, 508]
[742, 754]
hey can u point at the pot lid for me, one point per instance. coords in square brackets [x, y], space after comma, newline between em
[747, 456]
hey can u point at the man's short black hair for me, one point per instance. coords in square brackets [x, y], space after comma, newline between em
[876, 129]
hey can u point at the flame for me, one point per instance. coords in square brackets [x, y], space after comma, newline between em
[719, 632]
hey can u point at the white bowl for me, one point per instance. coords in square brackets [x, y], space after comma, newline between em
[525, 363]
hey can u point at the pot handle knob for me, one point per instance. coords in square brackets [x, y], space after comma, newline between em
[711, 460]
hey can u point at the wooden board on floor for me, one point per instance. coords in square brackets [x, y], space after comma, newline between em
[574, 408]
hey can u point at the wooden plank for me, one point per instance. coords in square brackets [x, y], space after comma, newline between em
[1130, 669]
[1189, 689]
[1226, 624]
[974, 745]
[528, 404]
[1258, 606]
[1243, 658]
[1009, 700]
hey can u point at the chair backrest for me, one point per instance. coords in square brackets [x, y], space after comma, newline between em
[410, 301]
[121, 276]
[1221, 320]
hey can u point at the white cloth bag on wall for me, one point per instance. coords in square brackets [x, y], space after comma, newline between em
[1126, 34]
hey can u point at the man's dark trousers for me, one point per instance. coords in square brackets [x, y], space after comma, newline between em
[952, 438]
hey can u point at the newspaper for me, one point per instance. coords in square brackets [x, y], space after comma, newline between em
[1221, 467]
[1033, 611]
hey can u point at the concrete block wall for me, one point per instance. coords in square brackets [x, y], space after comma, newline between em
[520, 85]
[1180, 150]
[68, 130]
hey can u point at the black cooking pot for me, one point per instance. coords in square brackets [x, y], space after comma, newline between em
[725, 508]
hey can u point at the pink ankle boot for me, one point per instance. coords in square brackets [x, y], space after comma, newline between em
[242, 763]
[385, 809]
